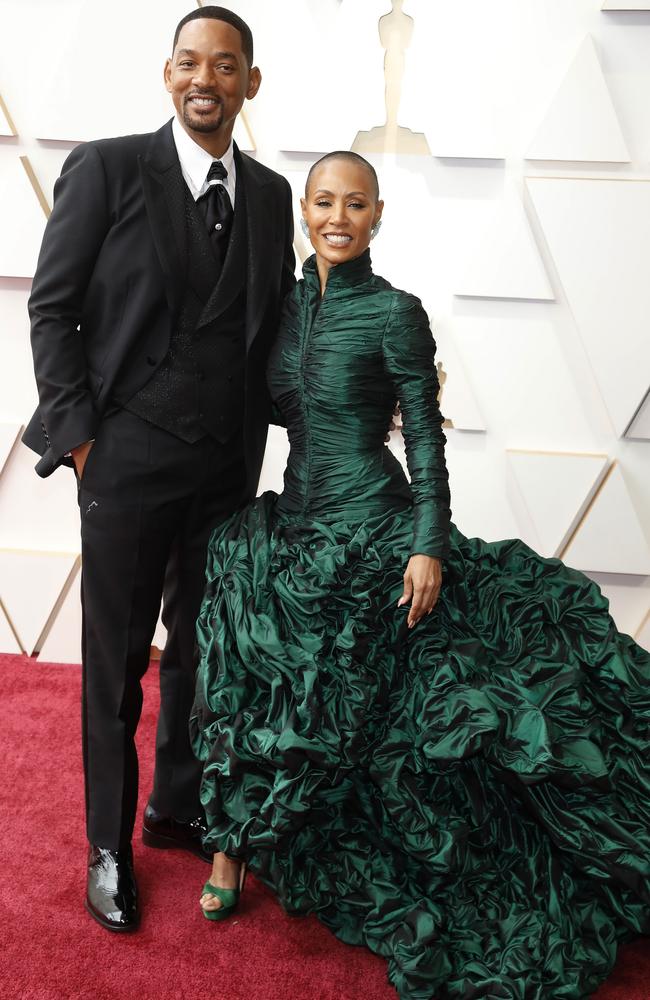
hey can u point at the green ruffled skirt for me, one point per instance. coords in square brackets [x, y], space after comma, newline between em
[470, 798]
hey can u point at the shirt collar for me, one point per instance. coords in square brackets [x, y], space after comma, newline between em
[195, 161]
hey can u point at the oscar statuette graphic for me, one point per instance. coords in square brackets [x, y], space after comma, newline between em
[395, 33]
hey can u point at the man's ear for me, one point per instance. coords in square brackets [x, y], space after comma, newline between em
[167, 74]
[254, 82]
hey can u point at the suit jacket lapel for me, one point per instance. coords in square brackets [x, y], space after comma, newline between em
[164, 195]
[259, 217]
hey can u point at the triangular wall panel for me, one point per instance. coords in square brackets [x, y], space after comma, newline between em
[62, 643]
[329, 25]
[8, 435]
[8, 641]
[598, 235]
[626, 5]
[610, 538]
[505, 262]
[628, 596]
[243, 135]
[36, 186]
[457, 89]
[18, 255]
[643, 634]
[581, 123]
[301, 245]
[6, 124]
[72, 112]
[37, 515]
[457, 400]
[556, 489]
[30, 585]
[639, 429]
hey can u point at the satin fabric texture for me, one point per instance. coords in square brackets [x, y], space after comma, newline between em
[470, 798]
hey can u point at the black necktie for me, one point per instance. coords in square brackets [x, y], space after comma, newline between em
[217, 208]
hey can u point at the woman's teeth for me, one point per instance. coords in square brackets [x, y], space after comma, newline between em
[337, 241]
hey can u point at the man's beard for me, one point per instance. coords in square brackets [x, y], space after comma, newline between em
[201, 125]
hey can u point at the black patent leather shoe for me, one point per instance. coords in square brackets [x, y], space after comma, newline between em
[169, 833]
[112, 893]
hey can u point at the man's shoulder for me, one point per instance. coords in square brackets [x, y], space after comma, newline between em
[121, 150]
[118, 146]
[122, 143]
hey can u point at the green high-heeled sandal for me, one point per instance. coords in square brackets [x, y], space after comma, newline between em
[229, 898]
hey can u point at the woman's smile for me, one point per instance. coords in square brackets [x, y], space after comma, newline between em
[337, 239]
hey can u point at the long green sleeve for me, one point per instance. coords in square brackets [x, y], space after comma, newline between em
[409, 358]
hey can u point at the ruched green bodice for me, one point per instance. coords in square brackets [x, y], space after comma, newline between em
[337, 371]
[470, 798]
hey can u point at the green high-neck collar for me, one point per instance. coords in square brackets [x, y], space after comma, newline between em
[345, 275]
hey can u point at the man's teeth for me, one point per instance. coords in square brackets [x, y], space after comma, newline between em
[203, 100]
[337, 240]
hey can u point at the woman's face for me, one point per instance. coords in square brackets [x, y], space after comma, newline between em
[340, 209]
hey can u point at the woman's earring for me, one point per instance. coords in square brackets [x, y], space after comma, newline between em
[375, 229]
[304, 227]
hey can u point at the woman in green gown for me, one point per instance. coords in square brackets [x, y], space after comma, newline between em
[465, 790]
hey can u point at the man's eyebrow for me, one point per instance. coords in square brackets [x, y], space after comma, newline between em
[215, 55]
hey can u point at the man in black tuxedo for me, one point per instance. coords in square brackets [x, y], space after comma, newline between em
[154, 306]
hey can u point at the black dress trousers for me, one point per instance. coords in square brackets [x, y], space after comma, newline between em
[148, 502]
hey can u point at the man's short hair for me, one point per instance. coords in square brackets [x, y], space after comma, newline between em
[221, 14]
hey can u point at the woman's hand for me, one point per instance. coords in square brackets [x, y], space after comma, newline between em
[422, 582]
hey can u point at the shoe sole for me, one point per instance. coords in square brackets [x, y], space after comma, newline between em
[108, 926]
[221, 914]
[162, 843]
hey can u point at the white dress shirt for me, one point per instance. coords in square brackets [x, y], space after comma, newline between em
[195, 163]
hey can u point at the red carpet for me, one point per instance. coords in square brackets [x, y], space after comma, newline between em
[52, 950]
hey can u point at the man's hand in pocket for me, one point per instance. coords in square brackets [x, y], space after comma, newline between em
[80, 455]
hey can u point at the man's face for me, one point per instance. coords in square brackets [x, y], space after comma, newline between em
[208, 76]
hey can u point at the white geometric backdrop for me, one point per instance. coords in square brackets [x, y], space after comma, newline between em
[517, 191]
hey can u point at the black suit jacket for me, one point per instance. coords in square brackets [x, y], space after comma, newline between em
[110, 281]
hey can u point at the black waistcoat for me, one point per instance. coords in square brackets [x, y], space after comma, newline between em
[198, 388]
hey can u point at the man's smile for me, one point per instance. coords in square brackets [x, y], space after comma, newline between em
[203, 101]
